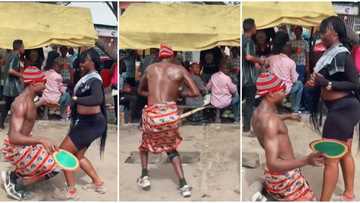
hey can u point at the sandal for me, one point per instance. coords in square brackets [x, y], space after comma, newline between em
[97, 188]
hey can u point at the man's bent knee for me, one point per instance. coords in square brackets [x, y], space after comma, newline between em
[172, 154]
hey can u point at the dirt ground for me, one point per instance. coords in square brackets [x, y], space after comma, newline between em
[301, 135]
[106, 167]
[213, 168]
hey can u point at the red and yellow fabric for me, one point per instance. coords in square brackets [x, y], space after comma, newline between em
[30, 160]
[288, 186]
[160, 128]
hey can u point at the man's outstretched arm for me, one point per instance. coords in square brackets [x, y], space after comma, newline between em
[273, 162]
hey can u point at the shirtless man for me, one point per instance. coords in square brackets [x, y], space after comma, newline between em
[283, 178]
[31, 156]
[160, 84]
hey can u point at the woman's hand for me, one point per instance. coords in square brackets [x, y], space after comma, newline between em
[311, 81]
[320, 80]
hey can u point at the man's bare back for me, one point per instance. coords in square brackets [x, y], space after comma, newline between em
[161, 82]
[25, 107]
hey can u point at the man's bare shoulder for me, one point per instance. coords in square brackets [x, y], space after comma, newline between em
[19, 106]
[269, 122]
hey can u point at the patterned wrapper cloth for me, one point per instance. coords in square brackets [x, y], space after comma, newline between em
[29, 160]
[160, 128]
[288, 186]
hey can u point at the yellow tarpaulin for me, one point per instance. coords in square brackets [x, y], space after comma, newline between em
[39, 25]
[184, 26]
[270, 14]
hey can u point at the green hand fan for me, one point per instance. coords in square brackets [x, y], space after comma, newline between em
[66, 160]
[331, 148]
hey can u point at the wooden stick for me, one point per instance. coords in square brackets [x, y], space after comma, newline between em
[184, 115]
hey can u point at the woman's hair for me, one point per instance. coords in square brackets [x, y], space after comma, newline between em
[279, 42]
[50, 60]
[337, 25]
[93, 55]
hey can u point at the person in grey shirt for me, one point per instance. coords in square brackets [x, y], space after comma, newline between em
[195, 70]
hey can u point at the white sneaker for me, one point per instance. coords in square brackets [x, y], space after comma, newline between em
[10, 186]
[144, 183]
[185, 191]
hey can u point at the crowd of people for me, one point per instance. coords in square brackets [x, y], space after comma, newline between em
[286, 72]
[61, 78]
[216, 73]
[286, 54]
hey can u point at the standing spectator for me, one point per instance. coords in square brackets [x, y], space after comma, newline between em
[13, 79]
[250, 64]
[34, 57]
[51, 56]
[300, 54]
[66, 72]
[210, 61]
[2, 63]
[129, 60]
[72, 56]
[262, 44]
[114, 84]
[235, 65]
[149, 59]
[285, 69]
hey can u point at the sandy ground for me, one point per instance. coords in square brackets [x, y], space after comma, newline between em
[301, 135]
[215, 176]
[106, 168]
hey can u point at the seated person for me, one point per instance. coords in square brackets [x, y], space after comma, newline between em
[55, 91]
[195, 70]
[223, 91]
[30, 155]
[283, 178]
[285, 69]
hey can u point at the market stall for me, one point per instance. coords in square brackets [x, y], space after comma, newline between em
[271, 14]
[184, 26]
[40, 25]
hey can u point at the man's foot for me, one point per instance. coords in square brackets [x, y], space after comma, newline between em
[185, 191]
[10, 186]
[144, 183]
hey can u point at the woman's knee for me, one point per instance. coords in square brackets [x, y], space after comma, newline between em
[68, 145]
[333, 163]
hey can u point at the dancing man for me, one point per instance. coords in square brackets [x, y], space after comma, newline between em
[160, 84]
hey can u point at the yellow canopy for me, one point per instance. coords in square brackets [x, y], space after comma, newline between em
[183, 26]
[39, 25]
[270, 14]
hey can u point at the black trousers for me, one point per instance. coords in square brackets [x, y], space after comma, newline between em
[5, 110]
[248, 93]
